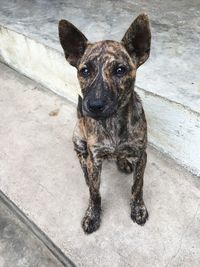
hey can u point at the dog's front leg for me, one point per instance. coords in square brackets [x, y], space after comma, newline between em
[80, 146]
[139, 213]
[91, 220]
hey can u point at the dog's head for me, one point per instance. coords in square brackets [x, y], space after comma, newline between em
[106, 69]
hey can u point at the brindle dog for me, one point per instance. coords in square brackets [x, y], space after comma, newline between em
[111, 120]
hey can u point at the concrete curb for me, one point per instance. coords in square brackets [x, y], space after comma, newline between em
[173, 128]
[38, 62]
[36, 231]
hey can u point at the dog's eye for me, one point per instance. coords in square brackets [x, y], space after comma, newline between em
[120, 71]
[85, 72]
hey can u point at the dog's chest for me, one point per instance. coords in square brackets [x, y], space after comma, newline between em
[109, 148]
[113, 141]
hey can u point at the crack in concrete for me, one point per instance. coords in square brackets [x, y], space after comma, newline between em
[124, 259]
[46, 189]
[161, 237]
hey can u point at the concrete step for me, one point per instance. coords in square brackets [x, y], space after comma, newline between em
[39, 171]
[168, 87]
[22, 242]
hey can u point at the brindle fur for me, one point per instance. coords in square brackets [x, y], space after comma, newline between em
[118, 131]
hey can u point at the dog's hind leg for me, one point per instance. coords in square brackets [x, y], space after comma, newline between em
[124, 165]
[139, 213]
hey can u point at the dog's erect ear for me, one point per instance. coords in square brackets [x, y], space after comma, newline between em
[73, 42]
[137, 39]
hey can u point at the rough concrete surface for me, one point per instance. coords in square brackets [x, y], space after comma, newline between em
[18, 246]
[173, 68]
[39, 171]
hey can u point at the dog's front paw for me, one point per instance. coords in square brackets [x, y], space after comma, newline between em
[124, 166]
[139, 213]
[91, 220]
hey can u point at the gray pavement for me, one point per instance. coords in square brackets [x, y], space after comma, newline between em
[19, 247]
[39, 171]
[173, 68]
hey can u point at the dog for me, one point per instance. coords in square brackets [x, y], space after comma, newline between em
[111, 121]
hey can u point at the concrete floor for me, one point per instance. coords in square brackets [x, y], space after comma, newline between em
[39, 171]
[173, 68]
[19, 247]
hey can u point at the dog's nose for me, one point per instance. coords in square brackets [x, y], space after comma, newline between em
[96, 105]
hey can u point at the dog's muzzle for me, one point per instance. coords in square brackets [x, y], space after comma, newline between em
[97, 108]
